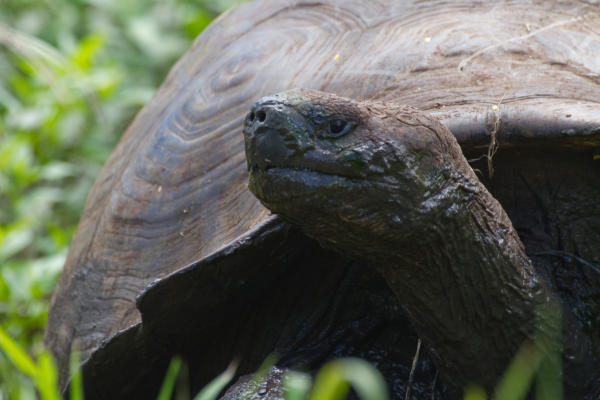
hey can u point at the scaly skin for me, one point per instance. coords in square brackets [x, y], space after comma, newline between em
[392, 188]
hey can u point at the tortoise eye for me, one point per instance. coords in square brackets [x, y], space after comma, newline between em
[337, 127]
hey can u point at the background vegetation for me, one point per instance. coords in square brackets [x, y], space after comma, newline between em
[72, 75]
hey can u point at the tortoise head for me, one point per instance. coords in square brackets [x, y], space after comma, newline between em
[344, 169]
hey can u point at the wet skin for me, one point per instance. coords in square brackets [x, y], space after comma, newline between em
[387, 184]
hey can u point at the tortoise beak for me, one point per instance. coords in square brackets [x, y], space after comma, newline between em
[269, 134]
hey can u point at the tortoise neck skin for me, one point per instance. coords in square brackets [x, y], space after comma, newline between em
[387, 184]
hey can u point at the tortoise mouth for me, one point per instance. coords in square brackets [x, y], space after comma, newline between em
[278, 185]
[283, 180]
[298, 172]
[303, 173]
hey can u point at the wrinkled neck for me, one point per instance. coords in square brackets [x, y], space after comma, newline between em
[469, 289]
[458, 268]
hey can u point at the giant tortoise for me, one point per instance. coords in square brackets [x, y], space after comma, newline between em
[174, 255]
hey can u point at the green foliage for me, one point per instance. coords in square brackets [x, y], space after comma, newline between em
[43, 373]
[331, 383]
[540, 359]
[210, 392]
[166, 389]
[334, 380]
[76, 387]
[72, 75]
[214, 388]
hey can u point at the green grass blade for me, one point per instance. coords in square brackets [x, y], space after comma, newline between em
[517, 379]
[330, 384]
[334, 379]
[259, 376]
[166, 390]
[549, 384]
[296, 385]
[76, 387]
[212, 390]
[47, 378]
[474, 392]
[17, 355]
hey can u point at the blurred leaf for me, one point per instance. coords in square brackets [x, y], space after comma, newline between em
[146, 34]
[518, 377]
[18, 386]
[259, 376]
[87, 50]
[474, 392]
[106, 81]
[72, 76]
[334, 378]
[296, 385]
[17, 355]
[541, 357]
[57, 170]
[7, 99]
[76, 384]
[216, 386]
[166, 390]
[45, 270]
[197, 22]
[16, 159]
[137, 97]
[14, 240]
[47, 378]
[549, 385]
[28, 118]
[69, 127]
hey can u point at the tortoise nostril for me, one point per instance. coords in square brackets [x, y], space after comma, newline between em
[251, 116]
[261, 115]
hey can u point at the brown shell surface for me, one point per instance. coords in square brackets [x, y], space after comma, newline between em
[175, 189]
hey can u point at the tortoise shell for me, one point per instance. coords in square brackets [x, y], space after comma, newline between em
[170, 215]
